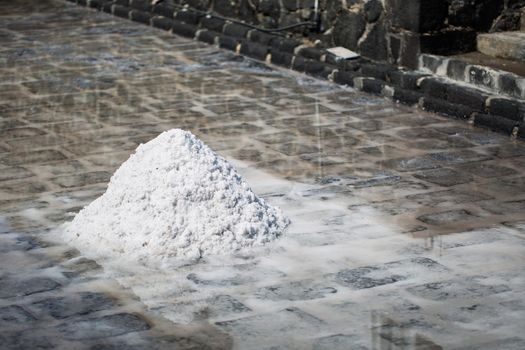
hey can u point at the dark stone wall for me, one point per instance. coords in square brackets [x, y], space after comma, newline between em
[393, 31]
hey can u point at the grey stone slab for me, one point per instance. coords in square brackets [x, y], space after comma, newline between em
[25, 340]
[296, 290]
[74, 304]
[14, 173]
[447, 196]
[452, 289]
[13, 315]
[27, 188]
[339, 342]
[291, 322]
[102, 327]
[443, 177]
[84, 179]
[24, 158]
[447, 217]
[487, 170]
[12, 287]
[379, 275]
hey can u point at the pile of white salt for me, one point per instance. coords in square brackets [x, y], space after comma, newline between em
[174, 197]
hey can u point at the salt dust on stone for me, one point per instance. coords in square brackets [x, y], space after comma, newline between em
[174, 197]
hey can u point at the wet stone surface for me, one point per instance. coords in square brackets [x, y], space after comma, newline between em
[407, 228]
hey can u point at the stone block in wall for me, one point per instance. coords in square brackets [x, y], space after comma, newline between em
[312, 52]
[140, 16]
[121, 2]
[207, 36]
[282, 59]
[435, 88]
[373, 86]
[184, 29]
[409, 50]
[418, 16]
[373, 44]
[254, 50]
[141, 5]
[407, 97]
[345, 77]
[507, 108]
[318, 69]
[376, 70]
[495, 123]
[121, 11]
[290, 5]
[162, 22]
[189, 17]
[260, 37]
[96, 4]
[237, 30]
[299, 63]
[511, 85]
[225, 7]
[228, 42]
[213, 23]
[405, 79]
[373, 10]
[348, 29]
[457, 70]
[247, 11]
[349, 65]
[107, 7]
[441, 106]
[475, 99]
[202, 5]
[163, 9]
[284, 44]
[270, 8]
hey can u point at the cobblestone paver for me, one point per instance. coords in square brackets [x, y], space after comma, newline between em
[407, 227]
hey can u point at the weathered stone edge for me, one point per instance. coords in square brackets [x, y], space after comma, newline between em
[428, 91]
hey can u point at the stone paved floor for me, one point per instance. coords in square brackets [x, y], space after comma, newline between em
[407, 228]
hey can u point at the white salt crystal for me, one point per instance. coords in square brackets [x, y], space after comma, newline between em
[174, 197]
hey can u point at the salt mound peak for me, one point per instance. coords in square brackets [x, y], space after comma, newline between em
[174, 197]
